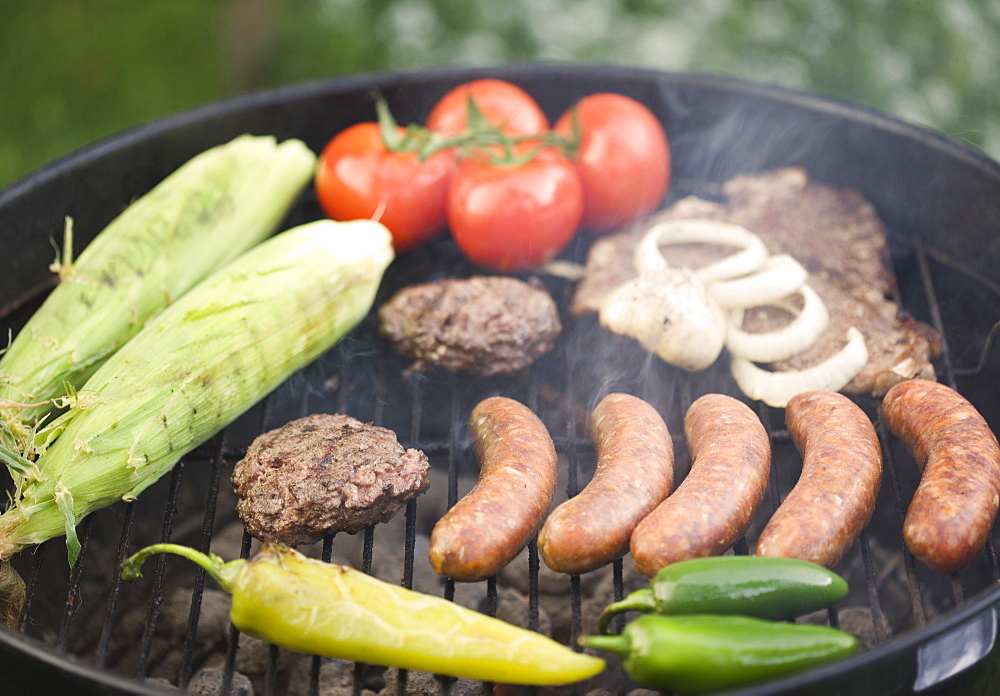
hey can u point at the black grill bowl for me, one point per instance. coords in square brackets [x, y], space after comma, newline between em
[939, 199]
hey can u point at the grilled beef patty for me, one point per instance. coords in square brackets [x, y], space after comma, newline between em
[483, 325]
[322, 474]
[834, 233]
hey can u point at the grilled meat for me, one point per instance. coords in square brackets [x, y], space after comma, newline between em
[834, 233]
[484, 325]
[322, 474]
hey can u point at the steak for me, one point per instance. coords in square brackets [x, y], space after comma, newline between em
[323, 474]
[834, 233]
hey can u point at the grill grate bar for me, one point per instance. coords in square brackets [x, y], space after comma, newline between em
[116, 584]
[534, 618]
[317, 662]
[934, 308]
[984, 355]
[409, 544]
[156, 596]
[270, 673]
[576, 606]
[31, 587]
[73, 592]
[186, 668]
[453, 453]
[618, 589]
[871, 587]
[234, 643]
[410, 538]
[573, 487]
[889, 471]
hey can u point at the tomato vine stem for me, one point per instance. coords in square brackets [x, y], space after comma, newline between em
[481, 139]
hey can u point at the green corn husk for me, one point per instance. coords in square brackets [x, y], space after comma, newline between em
[206, 213]
[201, 363]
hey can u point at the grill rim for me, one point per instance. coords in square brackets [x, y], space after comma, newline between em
[16, 643]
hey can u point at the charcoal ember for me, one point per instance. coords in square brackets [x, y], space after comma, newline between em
[483, 325]
[389, 544]
[417, 683]
[228, 541]
[463, 687]
[254, 657]
[860, 621]
[632, 692]
[323, 474]
[210, 680]
[334, 677]
[410, 682]
[213, 619]
[602, 592]
[161, 683]
[386, 563]
[165, 648]
[514, 607]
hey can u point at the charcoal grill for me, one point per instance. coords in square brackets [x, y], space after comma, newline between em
[925, 633]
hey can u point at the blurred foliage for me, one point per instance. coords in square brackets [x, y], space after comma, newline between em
[75, 71]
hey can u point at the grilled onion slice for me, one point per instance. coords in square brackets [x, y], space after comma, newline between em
[776, 388]
[793, 338]
[779, 276]
[751, 255]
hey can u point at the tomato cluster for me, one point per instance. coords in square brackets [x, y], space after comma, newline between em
[488, 165]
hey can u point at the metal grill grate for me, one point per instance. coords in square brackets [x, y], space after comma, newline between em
[430, 414]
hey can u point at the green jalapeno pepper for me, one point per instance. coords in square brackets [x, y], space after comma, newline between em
[695, 653]
[309, 606]
[767, 588]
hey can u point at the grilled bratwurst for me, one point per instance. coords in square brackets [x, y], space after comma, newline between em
[953, 509]
[487, 528]
[714, 505]
[834, 498]
[635, 472]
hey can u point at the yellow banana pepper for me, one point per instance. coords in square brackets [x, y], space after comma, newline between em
[309, 606]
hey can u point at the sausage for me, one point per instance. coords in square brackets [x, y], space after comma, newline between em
[490, 525]
[955, 504]
[713, 506]
[834, 497]
[634, 473]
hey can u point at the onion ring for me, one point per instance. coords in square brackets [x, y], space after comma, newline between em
[780, 276]
[783, 343]
[750, 258]
[776, 388]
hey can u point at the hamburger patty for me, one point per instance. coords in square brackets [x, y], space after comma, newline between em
[483, 325]
[322, 474]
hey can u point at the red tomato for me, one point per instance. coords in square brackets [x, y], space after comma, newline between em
[502, 103]
[509, 217]
[623, 159]
[358, 177]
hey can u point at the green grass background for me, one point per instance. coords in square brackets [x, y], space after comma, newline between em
[76, 71]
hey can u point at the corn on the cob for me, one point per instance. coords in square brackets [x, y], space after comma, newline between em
[220, 203]
[202, 362]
